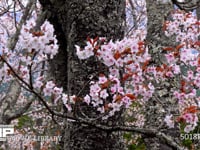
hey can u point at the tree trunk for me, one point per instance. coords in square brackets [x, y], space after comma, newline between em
[157, 106]
[74, 21]
[198, 17]
[198, 12]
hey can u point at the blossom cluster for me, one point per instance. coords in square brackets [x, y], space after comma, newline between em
[184, 25]
[51, 91]
[136, 19]
[187, 61]
[127, 61]
[28, 60]
[129, 78]
[43, 42]
[32, 49]
[191, 120]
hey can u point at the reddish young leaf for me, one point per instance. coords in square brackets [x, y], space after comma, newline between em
[126, 76]
[176, 54]
[96, 49]
[9, 72]
[118, 98]
[140, 51]
[197, 23]
[96, 39]
[131, 96]
[141, 43]
[106, 107]
[38, 33]
[197, 43]
[105, 85]
[76, 99]
[191, 109]
[168, 48]
[89, 40]
[117, 55]
[180, 119]
[183, 83]
[179, 46]
[199, 62]
[165, 25]
[145, 64]
[165, 66]
[182, 88]
[101, 75]
[130, 62]
[159, 69]
[126, 51]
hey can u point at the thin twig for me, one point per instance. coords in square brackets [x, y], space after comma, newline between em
[26, 13]
[152, 132]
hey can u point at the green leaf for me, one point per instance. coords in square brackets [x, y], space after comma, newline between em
[24, 121]
[182, 126]
[127, 136]
[198, 93]
[184, 70]
[139, 146]
[187, 143]
[132, 147]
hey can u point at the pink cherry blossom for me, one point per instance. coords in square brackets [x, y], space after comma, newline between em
[169, 121]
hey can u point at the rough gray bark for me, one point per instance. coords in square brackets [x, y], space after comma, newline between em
[198, 15]
[8, 109]
[198, 12]
[74, 21]
[7, 101]
[187, 5]
[157, 12]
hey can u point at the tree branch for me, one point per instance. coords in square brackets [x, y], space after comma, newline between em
[150, 132]
[20, 112]
[27, 12]
[10, 99]
[187, 5]
[41, 19]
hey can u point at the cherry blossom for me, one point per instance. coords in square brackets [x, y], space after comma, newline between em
[130, 77]
[169, 121]
[129, 55]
